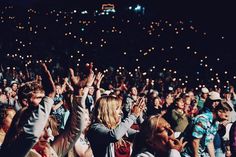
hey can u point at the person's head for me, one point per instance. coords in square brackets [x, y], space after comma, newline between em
[31, 93]
[179, 103]
[187, 100]
[8, 91]
[154, 94]
[169, 99]
[48, 133]
[117, 92]
[108, 111]
[191, 95]
[6, 115]
[226, 93]
[213, 100]
[156, 134]
[14, 86]
[4, 82]
[91, 90]
[58, 89]
[157, 102]
[134, 91]
[204, 92]
[222, 111]
[3, 99]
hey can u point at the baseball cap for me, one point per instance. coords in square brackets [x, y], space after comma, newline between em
[204, 90]
[214, 96]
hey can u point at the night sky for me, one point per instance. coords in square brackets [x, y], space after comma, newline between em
[210, 50]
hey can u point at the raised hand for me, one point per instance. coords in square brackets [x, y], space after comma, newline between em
[98, 80]
[66, 79]
[138, 107]
[91, 78]
[74, 79]
[47, 81]
[177, 144]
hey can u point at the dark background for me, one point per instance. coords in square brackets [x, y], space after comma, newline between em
[216, 18]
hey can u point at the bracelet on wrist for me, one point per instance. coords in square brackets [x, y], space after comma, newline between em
[96, 88]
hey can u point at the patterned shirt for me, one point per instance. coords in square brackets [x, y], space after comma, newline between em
[60, 112]
[204, 128]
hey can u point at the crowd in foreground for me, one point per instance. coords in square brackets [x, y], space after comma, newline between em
[43, 116]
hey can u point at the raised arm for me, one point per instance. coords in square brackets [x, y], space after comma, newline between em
[29, 123]
[89, 83]
[75, 124]
[113, 135]
[47, 82]
[97, 83]
[66, 84]
[74, 81]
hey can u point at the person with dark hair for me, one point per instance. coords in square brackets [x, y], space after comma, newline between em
[58, 109]
[201, 99]
[155, 107]
[202, 130]
[211, 102]
[227, 96]
[179, 117]
[129, 100]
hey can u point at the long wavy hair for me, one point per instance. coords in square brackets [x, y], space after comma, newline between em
[105, 111]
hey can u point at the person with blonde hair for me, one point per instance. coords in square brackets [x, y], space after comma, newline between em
[156, 138]
[107, 130]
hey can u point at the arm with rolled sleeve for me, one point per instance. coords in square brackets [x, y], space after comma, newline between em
[32, 129]
[75, 125]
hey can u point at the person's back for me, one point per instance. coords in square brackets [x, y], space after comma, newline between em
[99, 144]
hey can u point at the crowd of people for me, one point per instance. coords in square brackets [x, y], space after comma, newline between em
[101, 91]
[90, 114]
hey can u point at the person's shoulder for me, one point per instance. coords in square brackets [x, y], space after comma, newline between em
[202, 118]
[97, 126]
[47, 98]
[145, 154]
[33, 153]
